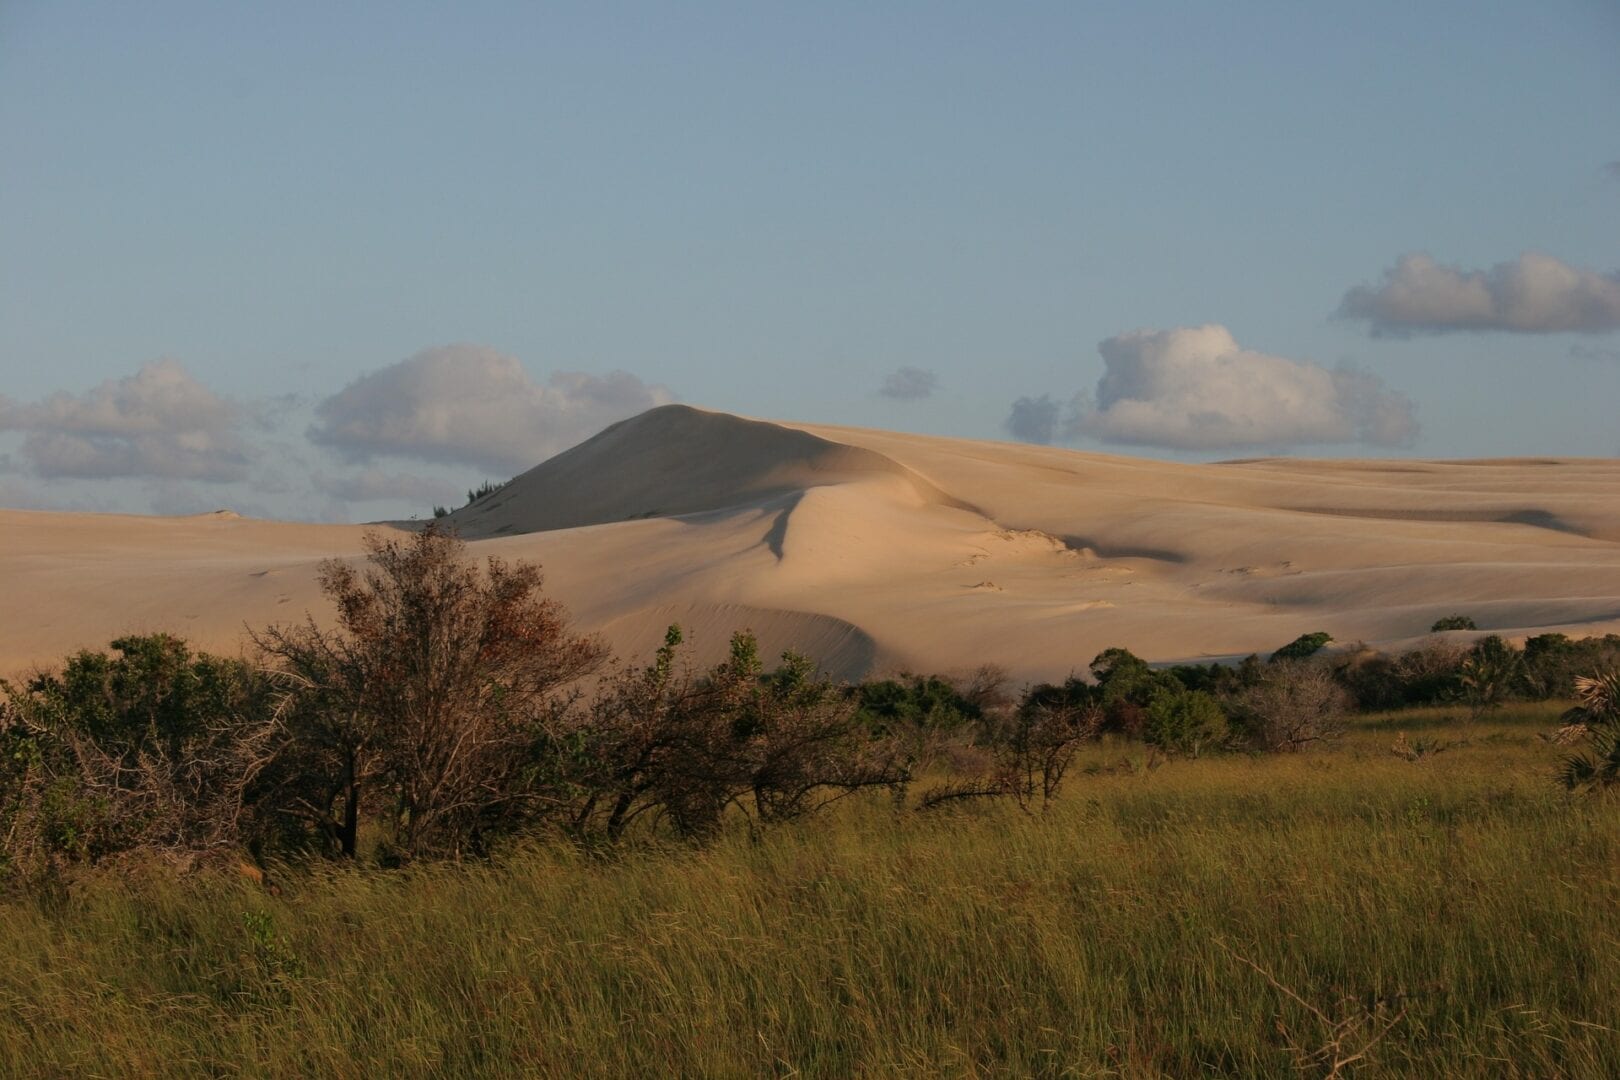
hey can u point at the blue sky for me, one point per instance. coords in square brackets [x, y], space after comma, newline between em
[770, 209]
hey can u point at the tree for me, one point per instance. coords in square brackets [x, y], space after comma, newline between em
[1032, 750]
[1597, 710]
[151, 748]
[1452, 622]
[663, 744]
[1295, 705]
[1125, 687]
[1488, 674]
[1303, 646]
[425, 708]
[1182, 721]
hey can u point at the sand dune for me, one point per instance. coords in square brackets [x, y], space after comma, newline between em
[876, 551]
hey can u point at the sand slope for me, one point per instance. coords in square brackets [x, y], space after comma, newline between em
[876, 551]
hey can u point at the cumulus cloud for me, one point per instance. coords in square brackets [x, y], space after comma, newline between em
[1533, 294]
[159, 422]
[1194, 388]
[909, 384]
[1033, 419]
[471, 405]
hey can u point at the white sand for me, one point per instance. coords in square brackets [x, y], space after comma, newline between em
[874, 551]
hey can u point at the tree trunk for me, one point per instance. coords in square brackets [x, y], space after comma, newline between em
[350, 833]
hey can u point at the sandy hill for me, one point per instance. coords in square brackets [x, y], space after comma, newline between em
[877, 551]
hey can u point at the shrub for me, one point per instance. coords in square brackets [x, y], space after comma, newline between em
[424, 709]
[1489, 674]
[662, 744]
[1302, 646]
[1295, 705]
[1597, 710]
[1032, 750]
[1182, 721]
[149, 749]
[914, 704]
[1430, 674]
[1452, 622]
[1552, 662]
[1126, 685]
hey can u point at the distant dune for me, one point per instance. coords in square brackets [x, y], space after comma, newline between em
[874, 551]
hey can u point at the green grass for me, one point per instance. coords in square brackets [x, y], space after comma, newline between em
[1108, 937]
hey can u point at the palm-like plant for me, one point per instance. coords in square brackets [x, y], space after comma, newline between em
[1598, 710]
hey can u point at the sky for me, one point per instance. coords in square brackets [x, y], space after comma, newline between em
[343, 261]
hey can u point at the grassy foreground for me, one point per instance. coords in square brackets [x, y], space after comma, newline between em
[1156, 921]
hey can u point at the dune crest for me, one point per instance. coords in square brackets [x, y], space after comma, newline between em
[676, 460]
[877, 551]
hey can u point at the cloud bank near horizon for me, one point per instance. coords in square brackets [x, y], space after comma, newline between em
[452, 415]
[471, 405]
[1195, 388]
[1533, 294]
[159, 423]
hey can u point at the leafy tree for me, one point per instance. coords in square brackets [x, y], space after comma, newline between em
[1488, 674]
[1452, 622]
[1123, 676]
[425, 707]
[154, 747]
[1125, 687]
[1182, 721]
[660, 743]
[915, 703]
[1552, 662]
[1303, 646]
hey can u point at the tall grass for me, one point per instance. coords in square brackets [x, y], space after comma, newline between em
[1156, 921]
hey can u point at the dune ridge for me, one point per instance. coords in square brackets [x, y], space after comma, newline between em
[877, 551]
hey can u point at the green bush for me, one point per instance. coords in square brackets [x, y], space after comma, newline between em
[1452, 622]
[1182, 721]
[914, 703]
[150, 747]
[1303, 646]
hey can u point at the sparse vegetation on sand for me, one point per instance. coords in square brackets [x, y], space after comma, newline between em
[461, 868]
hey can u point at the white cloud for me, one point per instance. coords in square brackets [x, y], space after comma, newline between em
[909, 384]
[1194, 388]
[1533, 294]
[472, 405]
[159, 422]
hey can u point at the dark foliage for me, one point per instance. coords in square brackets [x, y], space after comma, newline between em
[150, 747]
[1032, 749]
[663, 745]
[1304, 646]
[1452, 622]
[1596, 716]
[422, 712]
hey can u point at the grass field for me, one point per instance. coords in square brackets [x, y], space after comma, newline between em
[1231, 915]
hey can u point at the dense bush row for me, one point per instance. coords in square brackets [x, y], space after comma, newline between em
[444, 715]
